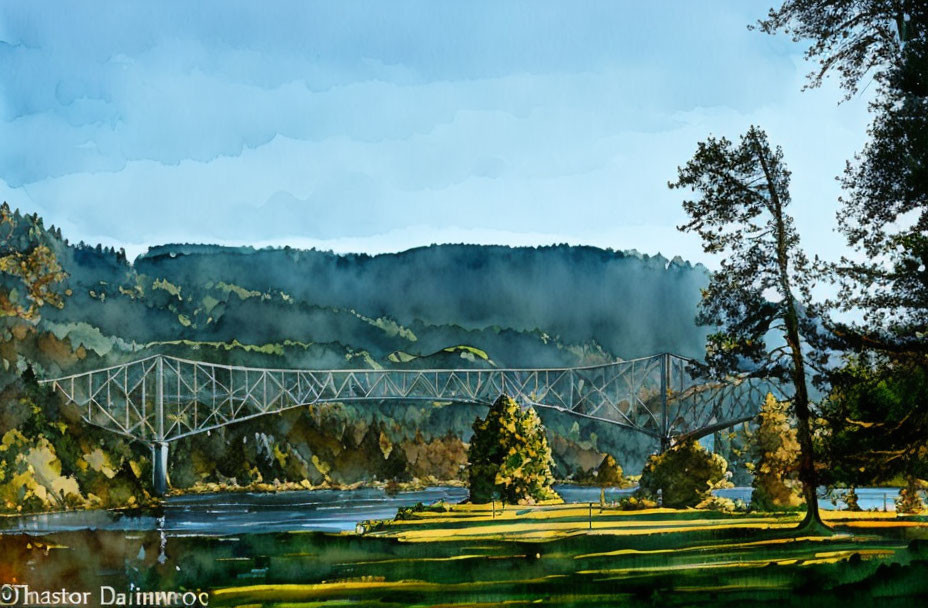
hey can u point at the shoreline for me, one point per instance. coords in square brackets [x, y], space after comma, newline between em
[258, 487]
[200, 489]
[305, 486]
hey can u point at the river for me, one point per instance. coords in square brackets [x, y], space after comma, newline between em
[315, 510]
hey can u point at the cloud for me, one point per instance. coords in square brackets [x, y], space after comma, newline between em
[141, 124]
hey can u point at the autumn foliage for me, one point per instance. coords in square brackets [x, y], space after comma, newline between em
[30, 272]
[776, 458]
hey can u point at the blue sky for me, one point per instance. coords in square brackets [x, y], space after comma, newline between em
[378, 126]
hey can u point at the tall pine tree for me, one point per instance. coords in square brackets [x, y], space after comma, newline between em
[763, 282]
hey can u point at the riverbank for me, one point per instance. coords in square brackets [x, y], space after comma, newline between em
[148, 502]
[474, 555]
[204, 488]
[305, 485]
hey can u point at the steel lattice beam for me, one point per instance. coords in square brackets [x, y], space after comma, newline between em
[161, 399]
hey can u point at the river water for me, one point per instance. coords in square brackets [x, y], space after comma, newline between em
[316, 510]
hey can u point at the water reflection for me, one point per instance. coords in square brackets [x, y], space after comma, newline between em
[318, 510]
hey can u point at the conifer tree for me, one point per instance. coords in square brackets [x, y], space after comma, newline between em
[775, 450]
[764, 279]
[29, 272]
[608, 475]
[509, 456]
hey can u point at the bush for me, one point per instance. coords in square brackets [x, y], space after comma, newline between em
[909, 500]
[636, 503]
[404, 513]
[509, 456]
[720, 503]
[850, 500]
[685, 475]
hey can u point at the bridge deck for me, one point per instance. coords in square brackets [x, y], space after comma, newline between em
[161, 398]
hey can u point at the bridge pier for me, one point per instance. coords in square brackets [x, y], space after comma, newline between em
[160, 467]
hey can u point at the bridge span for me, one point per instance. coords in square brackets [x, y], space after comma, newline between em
[161, 399]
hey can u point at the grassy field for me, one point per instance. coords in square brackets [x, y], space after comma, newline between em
[467, 555]
[566, 555]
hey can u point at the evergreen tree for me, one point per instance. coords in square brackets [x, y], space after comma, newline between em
[775, 449]
[877, 407]
[763, 282]
[852, 37]
[909, 500]
[851, 500]
[509, 456]
[608, 475]
[884, 214]
[30, 278]
[877, 422]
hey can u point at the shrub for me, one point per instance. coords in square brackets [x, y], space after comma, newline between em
[909, 500]
[850, 500]
[636, 503]
[404, 513]
[720, 503]
[685, 475]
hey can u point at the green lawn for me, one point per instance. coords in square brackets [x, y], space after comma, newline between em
[469, 556]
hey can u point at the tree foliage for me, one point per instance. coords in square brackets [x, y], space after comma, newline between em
[851, 500]
[509, 457]
[909, 499]
[775, 450]
[764, 279]
[608, 475]
[50, 459]
[876, 410]
[877, 422]
[29, 272]
[851, 37]
[884, 215]
[685, 475]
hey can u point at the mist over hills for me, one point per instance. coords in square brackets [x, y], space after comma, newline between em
[443, 306]
[522, 306]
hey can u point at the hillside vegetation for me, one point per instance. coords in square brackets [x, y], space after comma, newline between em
[439, 306]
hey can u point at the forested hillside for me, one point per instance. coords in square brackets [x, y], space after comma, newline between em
[522, 306]
[439, 306]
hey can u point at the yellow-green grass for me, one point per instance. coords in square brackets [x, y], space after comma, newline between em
[465, 555]
[469, 555]
[548, 522]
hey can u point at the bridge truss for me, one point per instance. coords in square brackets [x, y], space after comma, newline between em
[162, 399]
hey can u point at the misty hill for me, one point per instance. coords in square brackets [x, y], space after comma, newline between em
[521, 306]
[439, 306]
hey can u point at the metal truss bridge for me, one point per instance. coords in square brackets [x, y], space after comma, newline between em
[162, 399]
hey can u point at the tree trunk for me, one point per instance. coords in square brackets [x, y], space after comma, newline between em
[807, 476]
